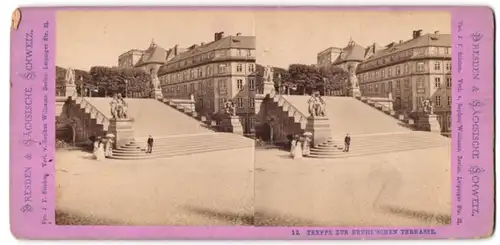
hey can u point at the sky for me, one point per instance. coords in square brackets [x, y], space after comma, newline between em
[86, 38]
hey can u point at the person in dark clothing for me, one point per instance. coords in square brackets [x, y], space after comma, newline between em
[150, 145]
[347, 142]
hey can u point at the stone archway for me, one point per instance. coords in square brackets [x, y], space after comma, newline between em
[70, 129]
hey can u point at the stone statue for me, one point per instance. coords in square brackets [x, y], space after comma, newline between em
[154, 78]
[268, 73]
[191, 97]
[317, 106]
[118, 107]
[428, 107]
[229, 108]
[390, 96]
[70, 76]
[353, 79]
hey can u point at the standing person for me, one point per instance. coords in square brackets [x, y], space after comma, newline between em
[293, 144]
[150, 144]
[347, 142]
[297, 153]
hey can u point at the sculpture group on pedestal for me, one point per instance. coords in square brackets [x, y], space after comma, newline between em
[317, 106]
[229, 108]
[428, 107]
[268, 74]
[353, 79]
[118, 107]
[70, 76]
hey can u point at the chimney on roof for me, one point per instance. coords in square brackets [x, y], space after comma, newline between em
[238, 34]
[400, 41]
[436, 32]
[176, 49]
[218, 36]
[417, 33]
[202, 44]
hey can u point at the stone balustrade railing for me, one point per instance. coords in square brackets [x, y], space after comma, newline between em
[287, 106]
[95, 113]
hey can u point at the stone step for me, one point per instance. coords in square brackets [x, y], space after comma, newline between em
[169, 140]
[385, 142]
[375, 147]
[176, 147]
[186, 143]
[353, 153]
[171, 154]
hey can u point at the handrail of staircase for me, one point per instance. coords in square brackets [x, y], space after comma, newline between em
[98, 114]
[303, 118]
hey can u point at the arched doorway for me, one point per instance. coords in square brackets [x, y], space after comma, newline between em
[266, 132]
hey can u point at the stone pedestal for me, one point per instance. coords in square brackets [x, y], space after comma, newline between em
[231, 124]
[268, 87]
[429, 123]
[123, 129]
[70, 90]
[157, 94]
[320, 129]
[355, 92]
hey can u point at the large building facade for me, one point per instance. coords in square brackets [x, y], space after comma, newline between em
[412, 71]
[130, 58]
[215, 72]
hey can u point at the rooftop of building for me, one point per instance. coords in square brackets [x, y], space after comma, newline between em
[131, 51]
[351, 52]
[238, 41]
[153, 55]
[430, 39]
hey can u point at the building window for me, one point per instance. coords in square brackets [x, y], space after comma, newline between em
[251, 83]
[438, 100]
[239, 84]
[389, 72]
[249, 52]
[446, 50]
[382, 88]
[448, 66]
[239, 52]
[382, 73]
[437, 82]
[221, 102]
[420, 66]
[407, 69]
[398, 70]
[390, 86]
[222, 84]
[420, 82]
[437, 66]
[251, 68]
[252, 123]
[449, 100]
[376, 88]
[239, 68]
[251, 103]
[398, 84]
[200, 72]
[209, 70]
[239, 102]
[222, 68]
[376, 74]
[407, 83]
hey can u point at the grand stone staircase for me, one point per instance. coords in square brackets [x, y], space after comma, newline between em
[371, 144]
[373, 128]
[168, 146]
[175, 131]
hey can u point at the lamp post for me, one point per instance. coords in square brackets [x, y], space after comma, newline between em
[126, 88]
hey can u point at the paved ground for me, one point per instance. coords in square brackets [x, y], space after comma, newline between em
[203, 189]
[403, 188]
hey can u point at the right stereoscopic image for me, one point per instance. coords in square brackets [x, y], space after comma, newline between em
[352, 118]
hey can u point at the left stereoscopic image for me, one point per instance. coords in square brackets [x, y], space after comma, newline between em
[154, 117]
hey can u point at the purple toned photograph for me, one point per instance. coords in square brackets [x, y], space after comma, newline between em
[252, 123]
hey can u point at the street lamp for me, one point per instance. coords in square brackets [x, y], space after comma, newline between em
[126, 88]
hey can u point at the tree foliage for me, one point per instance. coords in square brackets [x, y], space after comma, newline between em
[112, 80]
